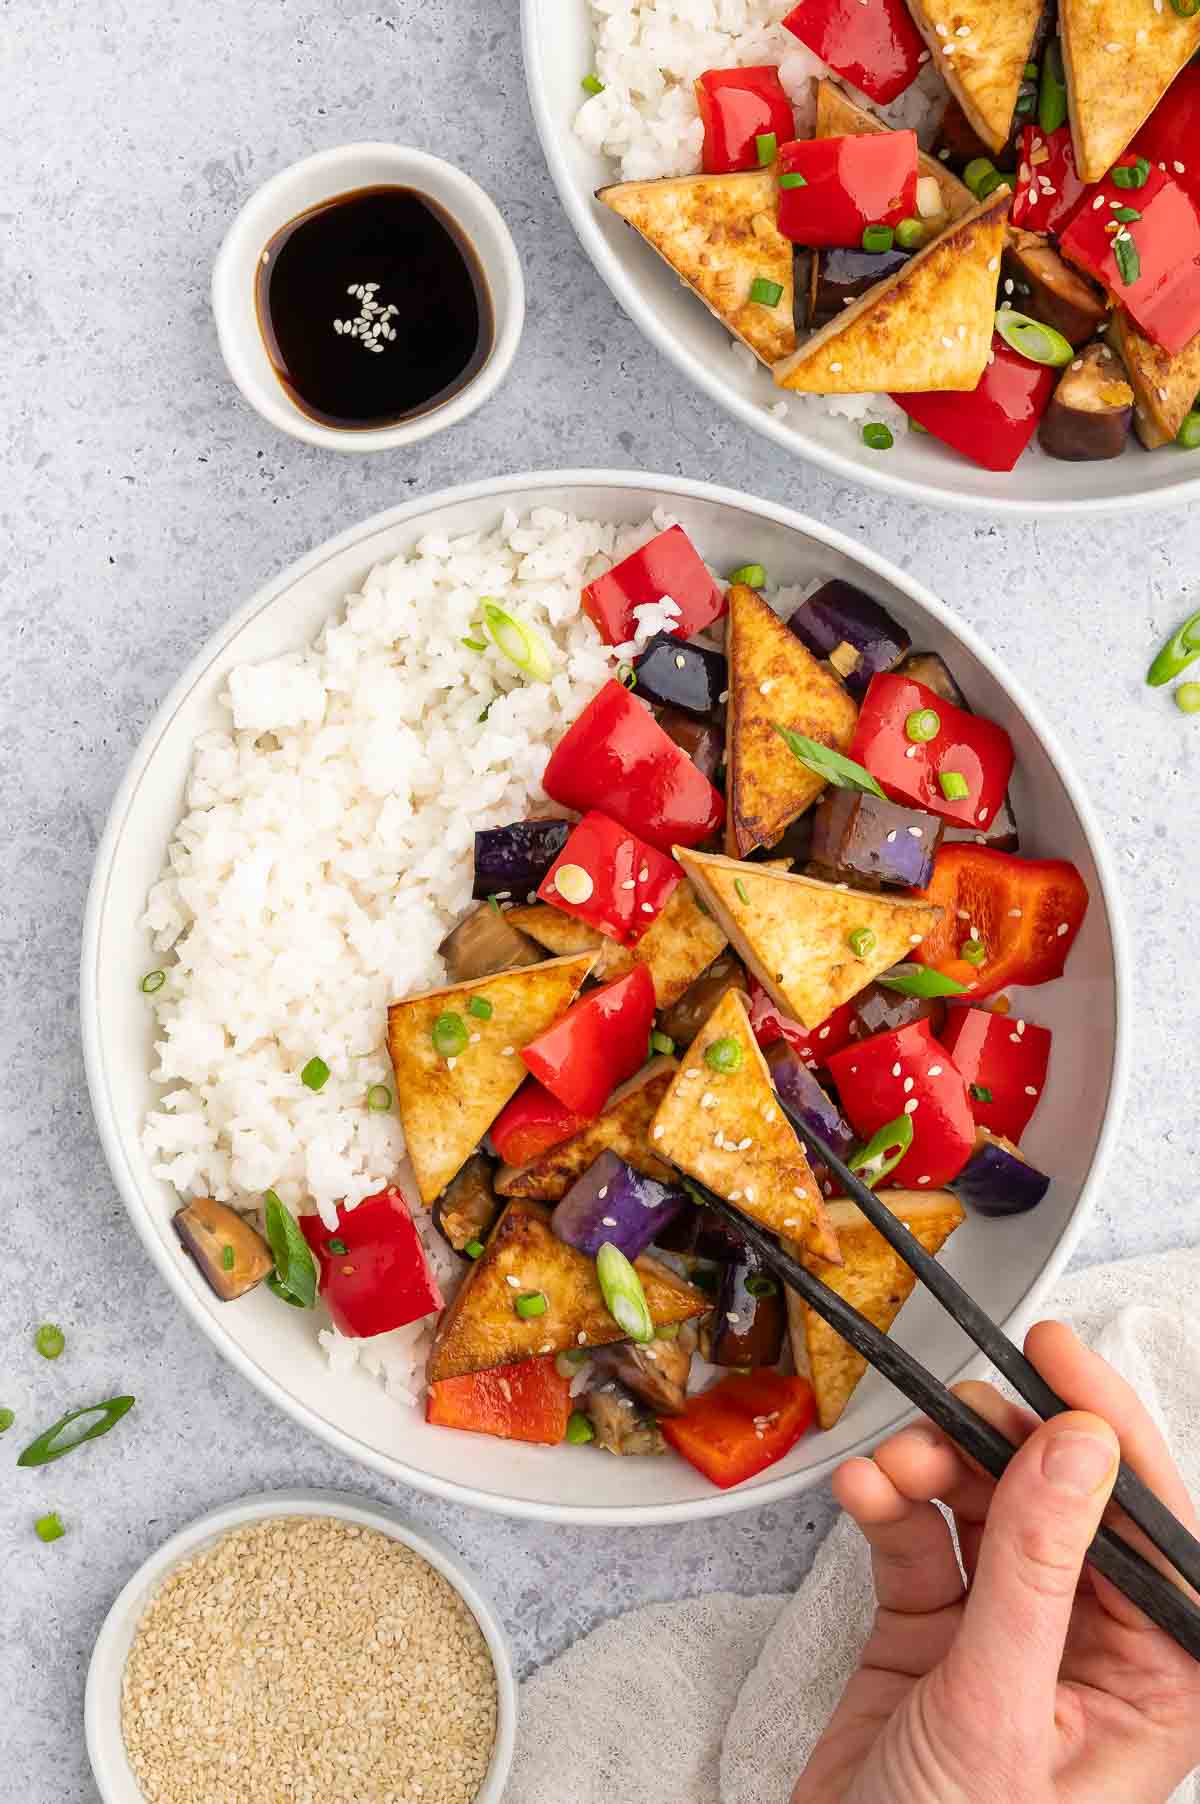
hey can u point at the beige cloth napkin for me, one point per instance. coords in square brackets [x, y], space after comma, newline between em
[722, 1697]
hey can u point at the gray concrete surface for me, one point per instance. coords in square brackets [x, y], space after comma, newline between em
[141, 500]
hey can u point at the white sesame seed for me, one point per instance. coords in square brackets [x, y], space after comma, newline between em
[936, 1070]
[916, 833]
[896, 1069]
[1062, 929]
[908, 1085]
[911, 750]
[450, 1064]
[629, 883]
[608, 1221]
[659, 1131]
[680, 661]
[1031, 1089]
[910, 1107]
[515, 1282]
[914, 939]
[923, 1179]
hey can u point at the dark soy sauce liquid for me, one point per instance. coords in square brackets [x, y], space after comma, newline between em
[399, 347]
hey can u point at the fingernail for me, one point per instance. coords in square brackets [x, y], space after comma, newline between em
[1080, 1463]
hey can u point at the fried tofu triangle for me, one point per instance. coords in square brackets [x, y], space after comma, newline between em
[447, 1105]
[927, 327]
[524, 1256]
[1164, 386]
[721, 1123]
[981, 51]
[719, 234]
[1121, 57]
[873, 1278]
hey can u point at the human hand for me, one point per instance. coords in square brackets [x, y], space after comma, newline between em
[1040, 1683]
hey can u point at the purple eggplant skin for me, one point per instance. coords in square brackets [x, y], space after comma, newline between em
[1090, 415]
[750, 1318]
[997, 1180]
[684, 1019]
[841, 275]
[1003, 835]
[863, 840]
[878, 1010]
[796, 844]
[839, 615]
[690, 677]
[612, 1202]
[699, 1233]
[702, 740]
[801, 1091]
[512, 860]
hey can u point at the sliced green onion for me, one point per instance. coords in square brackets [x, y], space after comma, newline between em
[49, 1528]
[1030, 338]
[518, 642]
[228, 1259]
[751, 576]
[153, 980]
[474, 644]
[981, 1093]
[627, 676]
[766, 144]
[379, 1098]
[623, 1295]
[295, 1268]
[315, 1074]
[73, 1429]
[911, 234]
[449, 1035]
[7, 1418]
[579, 1429]
[480, 1007]
[1187, 698]
[724, 1054]
[793, 179]
[1180, 650]
[922, 725]
[999, 178]
[976, 172]
[530, 1303]
[1125, 251]
[1052, 93]
[765, 293]
[1030, 72]
[974, 951]
[483, 716]
[883, 1151]
[740, 887]
[494, 905]
[49, 1340]
[279, 1289]
[1187, 9]
[1188, 436]
[667, 1331]
[591, 84]
[1126, 215]
[823, 761]
[861, 942]
[877, 436]
[660, 1042]
[1131, 175]
[955, 787]
[337, 1247]
[878, 238]
[920, 980]
[759, 1285]
[474, 1249]
[571, 1360]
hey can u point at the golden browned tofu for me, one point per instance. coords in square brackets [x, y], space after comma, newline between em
[1121, 57]
[446, 1104]
[525, 1257]
[719, 234]
[681, 943]
[561, 933]
[774, 681]
[839, 117]
[794, 932]
[720, 1122]
[873, 1278]
[928, 326]
[1164, 386]
[982, 64]
[623, 1127]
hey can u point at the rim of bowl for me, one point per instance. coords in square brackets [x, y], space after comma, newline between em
[631, 297]
[102, 1695]
[497, 489]
[277, 201]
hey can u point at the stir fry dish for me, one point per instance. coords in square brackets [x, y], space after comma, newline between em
[1034, 272]
[776, 864]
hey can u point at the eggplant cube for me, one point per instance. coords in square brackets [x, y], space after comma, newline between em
[691, 677]
[859, 838]
[613, 1202]
[512, 860]
[998, 1180]
[800, 1090]
[856, 635]
[750, 1318]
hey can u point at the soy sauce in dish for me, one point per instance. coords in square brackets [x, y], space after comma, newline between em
[373, 308]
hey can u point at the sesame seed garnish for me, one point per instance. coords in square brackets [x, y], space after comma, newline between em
[908, 1085]
[680, 661]
[629, 883]
[923, 1179]
[507, 1052]
[1062, 928]
[914, 939]
[910, 1107]
[602, 1192]
[936, 1070]
[608, 1221]
[451, 1063]
[515, 1282]
[916, 833]
[749, 1193]
[659, 1131]
[581, 1338]
[993, 262]
[896, 1069]
[891, 836]
[910, 751]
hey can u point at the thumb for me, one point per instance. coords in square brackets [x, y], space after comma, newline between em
[1043, 1515]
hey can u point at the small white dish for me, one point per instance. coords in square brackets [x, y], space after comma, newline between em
[102, 1702]
[323, 177]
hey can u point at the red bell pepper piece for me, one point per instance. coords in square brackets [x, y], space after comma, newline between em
[909, 1073]
[598, 1043]
[618, 759]
[993, 422]
[848, 184]
[1151, 265]
[1004, 1062]
[628, 882]
[814, 1045]
[876, 47]
[374, 1275]
[529, 1401]
[532, 1123]
[667, 565]
[1049, 187]
[1025, 912]
[738, 106]
[923, 773]
[1172, 129]
[742, 1425]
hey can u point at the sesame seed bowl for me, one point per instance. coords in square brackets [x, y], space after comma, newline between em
[141, 1670]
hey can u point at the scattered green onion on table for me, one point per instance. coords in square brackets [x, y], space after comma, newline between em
[74, 1429]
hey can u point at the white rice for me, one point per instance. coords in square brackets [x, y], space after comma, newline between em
[327, 848]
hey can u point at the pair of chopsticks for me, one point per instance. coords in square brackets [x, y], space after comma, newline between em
[1161, 1600]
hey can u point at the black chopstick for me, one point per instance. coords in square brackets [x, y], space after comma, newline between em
[1163, 1602]
[1136, 1498]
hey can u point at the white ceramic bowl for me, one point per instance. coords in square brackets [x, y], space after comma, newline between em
[1007, 1264]
[320, 178]
[558, 54]
[102, 1701]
